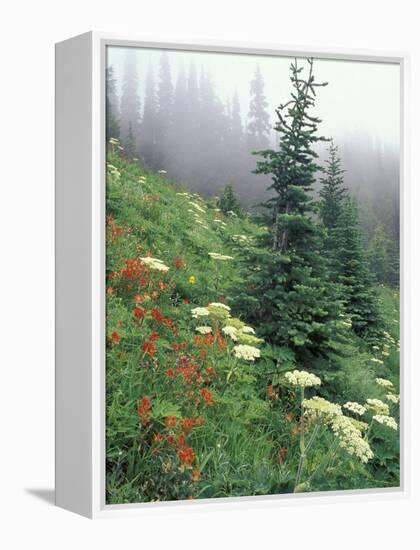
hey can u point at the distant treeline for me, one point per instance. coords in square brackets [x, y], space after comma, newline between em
[183, 127]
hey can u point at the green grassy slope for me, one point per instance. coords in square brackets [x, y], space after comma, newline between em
[186, 418]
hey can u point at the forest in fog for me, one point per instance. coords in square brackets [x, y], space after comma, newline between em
[173, 119]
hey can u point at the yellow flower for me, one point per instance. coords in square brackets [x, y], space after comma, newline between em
[191, 280]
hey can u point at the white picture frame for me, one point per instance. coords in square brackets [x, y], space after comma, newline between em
[80, 268]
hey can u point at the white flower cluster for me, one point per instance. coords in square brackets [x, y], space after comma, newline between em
[154, 263]
[231, 332]
[198, 207]
[354, 407]
[384, 383]
[219, 305]
[200, 312]
[392, 398]
[375, 360]
[113, 171]
[386, 421]
[221, 257]
[377, 406]
[319, 407]
[248, 353]
[302, 378]
[351, 439]
[203, 330]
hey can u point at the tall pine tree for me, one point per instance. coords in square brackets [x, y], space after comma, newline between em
[130, 101]
[112, 106]
[344, 250]
[148, 130]
[258, 127]
[289, 295]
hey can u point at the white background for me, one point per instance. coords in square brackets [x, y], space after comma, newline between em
[28, 32]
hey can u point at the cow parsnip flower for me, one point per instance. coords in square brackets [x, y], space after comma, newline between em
[302, 378]
[249, 339]
[385, 383]
[386, 421]
[354, 407]
[247, 330]
[220, 311]
[351, 438]
[377, 406]
[203, 330]
[222, 257]
[248, 353]
[235, 322]
[392, 398]
[319, 407]
[200, 312]
[154, 263]
[231, 332]
[219, 305]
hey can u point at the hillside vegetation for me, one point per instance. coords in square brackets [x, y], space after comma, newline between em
[198, 405]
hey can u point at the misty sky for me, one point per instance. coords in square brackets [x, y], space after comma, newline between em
[361, 98]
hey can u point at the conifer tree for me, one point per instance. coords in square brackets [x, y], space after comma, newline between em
[289, 295]
[258, 127]
[130, 143]
[130, 101]
[229, 201]
[112, 106]
[358, 294]
[383, 257]
[164, 113]
[332, 191]
[344, 249]
[148, 135]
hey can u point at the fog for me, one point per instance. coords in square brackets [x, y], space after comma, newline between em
[359, 108]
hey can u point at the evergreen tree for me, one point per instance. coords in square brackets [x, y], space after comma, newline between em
[164, 113]
[258, 127]
[229, 201]
[148, 131]
[130, 143]
[130, 101]
[112, 106]
[332, 191]
[384, 257]
[289, 295]
[343, 248]
[358, 294]
[236, 122]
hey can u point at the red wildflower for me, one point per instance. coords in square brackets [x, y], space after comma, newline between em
[154, 336]
[178, 262]
[158, 437]
[170, 373]
[139, 312]
[270, 390]
[289, 416]
[115, 337]
[186, 456]
[138, 298]
[207, 396]
[149, 348]
[195, 475]
[181, 440]
[144, 408]
[187, 424]
[170, 421]
[110, 290]
[175, 346]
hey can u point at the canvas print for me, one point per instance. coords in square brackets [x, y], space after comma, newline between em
[252, 275]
